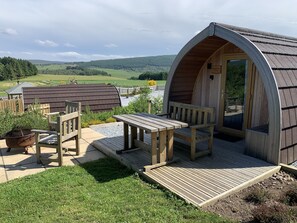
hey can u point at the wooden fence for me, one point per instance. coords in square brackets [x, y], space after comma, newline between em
[14, 105]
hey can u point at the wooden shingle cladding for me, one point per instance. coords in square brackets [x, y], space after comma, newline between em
[281, 54]
[275, 59]
[98, 97]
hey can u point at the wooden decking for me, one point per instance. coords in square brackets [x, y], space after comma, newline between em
[200, 182]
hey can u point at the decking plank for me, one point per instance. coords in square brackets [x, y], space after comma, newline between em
[200, 182]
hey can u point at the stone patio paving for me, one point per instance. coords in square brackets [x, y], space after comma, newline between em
[16, 163]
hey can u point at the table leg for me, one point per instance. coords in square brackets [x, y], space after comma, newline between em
[154, 147]
[170, 144]
[133, 136]
[141, 135]
[162, 146]
[126, 136]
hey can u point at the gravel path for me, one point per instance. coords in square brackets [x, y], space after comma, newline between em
[109, 129]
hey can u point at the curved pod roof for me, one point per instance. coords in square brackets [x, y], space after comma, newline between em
[274, 56]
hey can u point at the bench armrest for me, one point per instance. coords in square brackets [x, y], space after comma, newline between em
[164, 114]
[202, 126]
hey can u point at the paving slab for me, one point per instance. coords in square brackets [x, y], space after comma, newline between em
[3, 177]
[89, 156]
[3, 144]
[68, 160]
[16, 163]
[92, 135]
[18, 157]
[14, 172]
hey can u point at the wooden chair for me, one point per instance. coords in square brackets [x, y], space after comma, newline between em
[68, 127]
[69, 107]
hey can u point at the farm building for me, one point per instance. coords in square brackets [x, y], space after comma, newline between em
[98, 97]
[17, 91]
[250, 77]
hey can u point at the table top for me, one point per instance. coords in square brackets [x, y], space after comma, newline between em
[149, 122]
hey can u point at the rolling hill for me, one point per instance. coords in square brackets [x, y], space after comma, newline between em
[150, 63]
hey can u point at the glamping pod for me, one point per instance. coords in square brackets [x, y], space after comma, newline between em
[250, 78]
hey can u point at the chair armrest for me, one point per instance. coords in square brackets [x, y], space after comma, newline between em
[53, 113]
[38, 131]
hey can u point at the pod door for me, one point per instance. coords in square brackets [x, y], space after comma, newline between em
[235, 91]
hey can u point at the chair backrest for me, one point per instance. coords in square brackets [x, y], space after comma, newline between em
[44, 109]
[72, 107]
[68, 126]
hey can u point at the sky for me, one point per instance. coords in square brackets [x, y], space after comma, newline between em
[85, 30]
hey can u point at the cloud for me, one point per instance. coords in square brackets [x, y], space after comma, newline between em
[27, 53]
[68, 45]
[111, 45]
[70, 54]
[105, 57]
[4, 52]
[9, 31]
[47, 43]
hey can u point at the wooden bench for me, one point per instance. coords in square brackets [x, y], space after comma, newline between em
[201, 125]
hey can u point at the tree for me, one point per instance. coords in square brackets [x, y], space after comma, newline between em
[11, 68]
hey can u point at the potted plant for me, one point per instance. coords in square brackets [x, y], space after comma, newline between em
[16, 129]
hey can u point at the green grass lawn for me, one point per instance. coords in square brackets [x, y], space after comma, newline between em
[100, 191]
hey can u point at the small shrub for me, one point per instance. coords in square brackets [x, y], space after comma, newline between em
[290, 197]
[109, 120]
[95, 122]
[7, 122]
[84, 125]
[257, 196]
[152, 82]
[272, 213]
[157, 105]
[28, 120]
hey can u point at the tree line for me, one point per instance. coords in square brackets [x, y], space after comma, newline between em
[151, 76]
[12, 68]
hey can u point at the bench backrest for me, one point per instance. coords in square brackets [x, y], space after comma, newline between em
[192, 114]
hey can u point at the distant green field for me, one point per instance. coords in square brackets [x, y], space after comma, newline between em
[51, 80]
[121, 73]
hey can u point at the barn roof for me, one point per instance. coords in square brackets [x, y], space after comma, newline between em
[18, 89]
[99, 97]
[275, 56]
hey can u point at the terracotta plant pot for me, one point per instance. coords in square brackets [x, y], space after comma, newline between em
[21, 138]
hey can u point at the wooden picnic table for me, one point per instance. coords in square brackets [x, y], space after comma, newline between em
[161, 130]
